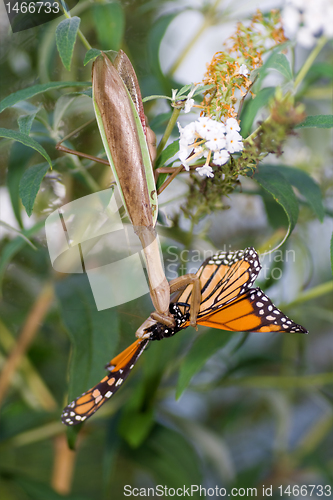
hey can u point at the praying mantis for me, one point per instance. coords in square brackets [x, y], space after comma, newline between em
[130, 147]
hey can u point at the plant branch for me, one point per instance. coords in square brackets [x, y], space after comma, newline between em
[308, 63]
[29, 330]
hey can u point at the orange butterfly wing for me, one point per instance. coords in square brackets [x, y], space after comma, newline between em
[251, 312]
[227, 300]
[120, 367]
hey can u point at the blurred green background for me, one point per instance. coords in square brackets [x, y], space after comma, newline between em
[256, 410]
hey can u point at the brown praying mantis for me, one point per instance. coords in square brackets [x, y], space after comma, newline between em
[130, 147]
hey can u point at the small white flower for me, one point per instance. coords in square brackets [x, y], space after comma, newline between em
[187, 134]
[243, 70]
[221, 157]
[183, 155]
[205, 170]
[234, 143]
[188, 105]
[204, 126]
[216, 142]
[232, 125]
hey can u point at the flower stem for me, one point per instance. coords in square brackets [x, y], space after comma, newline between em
[168, 131]
[314, 293]
[308, 63]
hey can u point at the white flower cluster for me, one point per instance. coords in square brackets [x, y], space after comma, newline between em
[210, 139]
[306, 19]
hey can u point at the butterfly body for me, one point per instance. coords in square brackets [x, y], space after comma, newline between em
[227, 302]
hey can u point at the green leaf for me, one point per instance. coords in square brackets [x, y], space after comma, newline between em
[93, 334]
[41, 491]
[167, 153]
[320, 70]
[202, 89]
[19, 158]
[135, 426]
[183, 90]
[14, 246]
[279, 187]
[331, 248]
[317, 121]
[19, 233]
[281, 64]
[30, 184]
[152, 97]
[203, 348]
[252, 107]
[109, 21]
[91, 56]
[66, 33]
[29, 92]
[26, 140]
[25, 122]
[60, 108]
[170, 458]
[306, 186]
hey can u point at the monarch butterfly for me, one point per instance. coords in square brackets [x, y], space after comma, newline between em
[228, 302]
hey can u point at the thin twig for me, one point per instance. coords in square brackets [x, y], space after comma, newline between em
[63, 466]
[29, 330]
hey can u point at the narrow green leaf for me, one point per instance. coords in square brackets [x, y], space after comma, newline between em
[66, 33]
[19, 233]
[19, 158]
[331, 248]
[279, 187]
[317, 121]
[306, 186]
[29, 92]
[109, 21]
[320, 70]
[136, 426]
[25, 122]
[167, 153]
[27, 141]
[281, 64]
[14, 246]
[93, 334]
[170, 458]
[41, 491]
[30, 184]
[152, 97]
[91, 55]
[252, 107]
[202, 349]
[202, 89]
[60, 108]
[183, 90]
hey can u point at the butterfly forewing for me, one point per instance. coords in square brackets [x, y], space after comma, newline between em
[224, 277]
[251, 312]
[120, 367]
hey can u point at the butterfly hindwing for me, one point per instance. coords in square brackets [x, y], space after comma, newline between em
[119, 367]
[251, 312]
